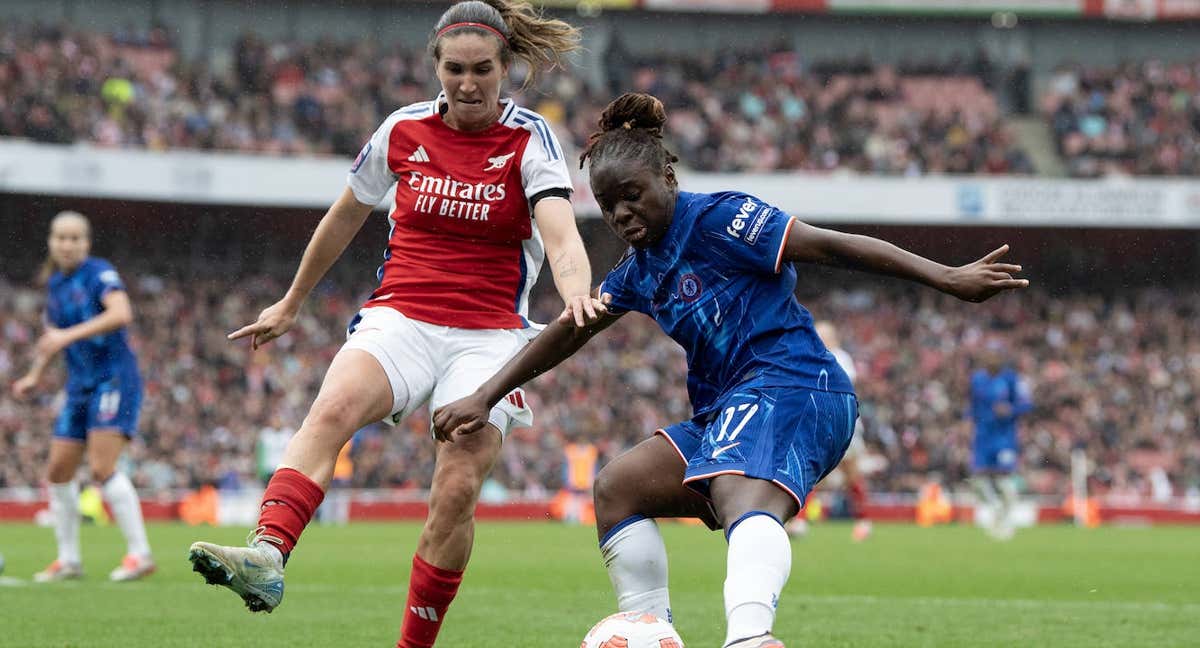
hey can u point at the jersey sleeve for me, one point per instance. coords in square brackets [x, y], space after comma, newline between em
[105, 279]
[746, 233]
[370, 176]
[621, 284]
[543, 165]
[1022, 395]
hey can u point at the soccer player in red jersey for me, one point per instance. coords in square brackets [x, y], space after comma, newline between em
[482, 197]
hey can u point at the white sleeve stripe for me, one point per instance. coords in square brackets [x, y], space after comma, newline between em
[783, 243]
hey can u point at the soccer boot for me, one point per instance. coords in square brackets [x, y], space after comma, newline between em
[132, 567]
[862, 530]
[254, 573]
[761, 641]
[58, 571]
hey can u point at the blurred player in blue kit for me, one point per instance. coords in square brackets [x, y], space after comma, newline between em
[87, 312]
[773, 410]
[999, 397]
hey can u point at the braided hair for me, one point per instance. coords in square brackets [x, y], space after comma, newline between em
[631, 128]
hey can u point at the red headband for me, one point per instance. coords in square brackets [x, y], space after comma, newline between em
[460, 25]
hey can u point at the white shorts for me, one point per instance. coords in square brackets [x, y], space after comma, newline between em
[439, 364]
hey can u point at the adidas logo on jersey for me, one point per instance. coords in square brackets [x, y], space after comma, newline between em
[419, 155]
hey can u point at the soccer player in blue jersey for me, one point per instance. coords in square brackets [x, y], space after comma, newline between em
[999, 397]
[773, 411]
[87, 310]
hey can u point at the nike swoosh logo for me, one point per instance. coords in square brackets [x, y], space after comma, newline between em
[720, 451]
[246, 563]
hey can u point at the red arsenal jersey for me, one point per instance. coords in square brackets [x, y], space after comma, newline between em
[463, 249]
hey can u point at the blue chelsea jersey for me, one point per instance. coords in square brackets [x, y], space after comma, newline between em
[988, 390]
[77, 297]
[717, 284]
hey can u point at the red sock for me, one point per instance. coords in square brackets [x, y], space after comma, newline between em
[858, 498]
[430, 591]
[287, 506]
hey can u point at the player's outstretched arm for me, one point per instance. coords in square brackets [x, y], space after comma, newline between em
[559, 341]
[335, 231]
[975, 282]
[568, 259]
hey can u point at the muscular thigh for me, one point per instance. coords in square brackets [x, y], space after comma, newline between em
[356, 390]
[648, 480]
[403, 354]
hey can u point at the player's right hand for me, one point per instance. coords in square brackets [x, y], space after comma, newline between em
[273, 322]
[24, 387]
[464, 416]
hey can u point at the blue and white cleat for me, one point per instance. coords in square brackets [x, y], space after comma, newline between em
[254, 573]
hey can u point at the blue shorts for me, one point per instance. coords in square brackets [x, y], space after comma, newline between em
[114, 403]
[791, 436]
[995, 457]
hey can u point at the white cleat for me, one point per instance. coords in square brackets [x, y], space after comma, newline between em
[132, 567]
[761, 641]
[254, 573]
[58, 571]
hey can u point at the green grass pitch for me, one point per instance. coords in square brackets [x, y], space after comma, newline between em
[539, 585]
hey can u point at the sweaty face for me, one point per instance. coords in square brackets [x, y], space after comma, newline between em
[471, 71]
[637, 202]
[69, 243]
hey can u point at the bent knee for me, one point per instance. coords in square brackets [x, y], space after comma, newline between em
[337, 415]
[613, 497]
[455, 492]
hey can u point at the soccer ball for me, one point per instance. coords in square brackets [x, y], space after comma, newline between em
[632, 630]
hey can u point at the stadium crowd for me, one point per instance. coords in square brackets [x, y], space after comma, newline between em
[1117, 376]
[1140, 118]
[730, 111]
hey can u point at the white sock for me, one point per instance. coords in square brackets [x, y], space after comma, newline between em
[1009, 493]
[64, 505]
[636, 559]
[759, 562]
[984, 491]
[987, 497]
[127, 509]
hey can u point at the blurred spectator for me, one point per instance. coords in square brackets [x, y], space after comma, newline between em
[761, 110]
[1140, 118]
[1118, 376]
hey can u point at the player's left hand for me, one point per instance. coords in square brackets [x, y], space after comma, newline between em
[24, 386]
[466, 415]
[582, 310]
[980, 280]
[52, 341]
